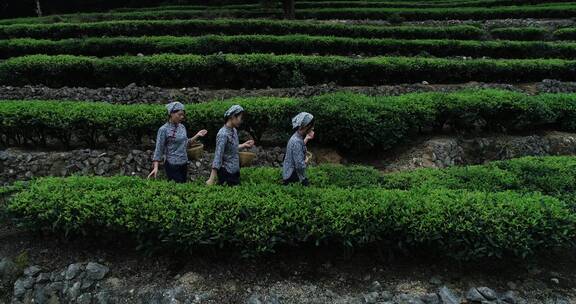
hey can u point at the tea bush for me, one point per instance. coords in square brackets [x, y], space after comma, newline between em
[261, 218]
[561, 10]
[565, 33]
[351, 122]
[521, 33]
[551, 175]
[289, 44]
[234, 27]
[263, 70]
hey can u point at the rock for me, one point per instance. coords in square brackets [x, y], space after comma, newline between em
[447, 296]
[113, 283]
[488, 293]
[435, 280]
[511, 285]
[430, 298]
[509, 297]
[254, 299]
[95, 271]
[190, 279]
[375, 286]
[32, 271]
[43, 277]
[371, 297]
[474, 296]
[103, 297]
[56, 287]
[8, 270]
[85, 298]
[21, 285]
[386, 295]
[73, 292]
[73, 270]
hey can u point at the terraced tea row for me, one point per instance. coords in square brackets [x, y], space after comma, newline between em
[289, 44]
[352, 4]
[563, 10]
[350, 122]
[263, 70]
[234, 27]
[462, 224]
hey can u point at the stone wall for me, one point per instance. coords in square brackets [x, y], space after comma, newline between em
[149, 94]
[437, 152]
[95, 283]
[18, 164]
[441, 152]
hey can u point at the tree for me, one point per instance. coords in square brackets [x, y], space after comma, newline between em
[38, 8]
[289, 9]
[287, 5]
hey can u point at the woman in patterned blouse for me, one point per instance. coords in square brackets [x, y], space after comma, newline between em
[171, 144]
[226, 164]
[295, 160]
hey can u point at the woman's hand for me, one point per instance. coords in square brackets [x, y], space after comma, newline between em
[154, 171]
[309, 136]
[247, 144]
[201, 133]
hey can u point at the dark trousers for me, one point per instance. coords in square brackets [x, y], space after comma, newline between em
[294, 179]
[177, 173]
[226, 178]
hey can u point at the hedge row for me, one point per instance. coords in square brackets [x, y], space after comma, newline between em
[560, 11]
[290, 44]
[523, 33]
[552, 175]
[459, 224]
[474, 13]
[266, 70]
[351, 122]
[566, 33]
[233, 27]
[351, 4]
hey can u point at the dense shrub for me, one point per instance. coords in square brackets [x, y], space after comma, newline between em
[266, 70]
[521, 33]
[554, 176]
[260, 218]
[234, 27]
[565, 34]
[566, 10]
[354, 123]
[354, 4]
[290, 44]
[551, 175]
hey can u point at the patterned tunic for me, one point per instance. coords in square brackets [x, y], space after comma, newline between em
[171, 142]
[295, 159]
[226, 155]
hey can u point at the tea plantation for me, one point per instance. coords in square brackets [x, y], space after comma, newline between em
[386, 81]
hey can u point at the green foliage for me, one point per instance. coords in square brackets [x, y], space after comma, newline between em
[565, 34]
[351, 122]
[521, 33]
[557, 10]
[233, 27]
[260, 218]
[263, 70]
[286, 44]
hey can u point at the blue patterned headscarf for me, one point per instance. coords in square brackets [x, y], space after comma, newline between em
[234, 110]
[301, 120]
[174, 107]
